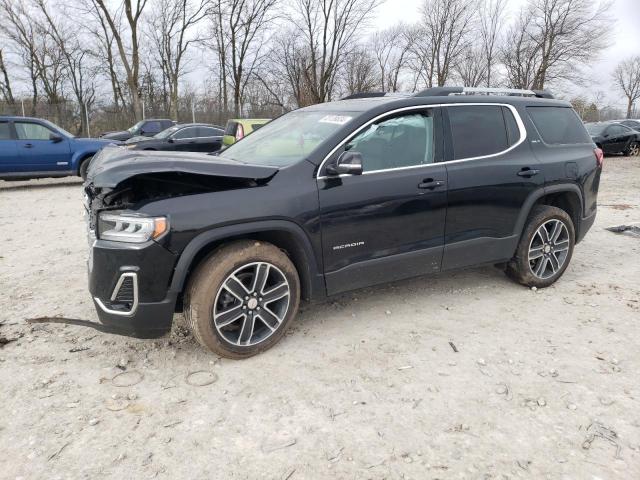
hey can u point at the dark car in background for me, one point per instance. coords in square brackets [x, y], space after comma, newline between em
[144, 128]
[631, 123]
[37, 148]
[334, 197]
[187, 137]
[613, 137]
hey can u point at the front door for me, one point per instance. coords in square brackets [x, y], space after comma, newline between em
[38, 151]
[387, 223]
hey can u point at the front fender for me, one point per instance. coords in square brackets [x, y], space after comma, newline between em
[78, 156]
[308, 269]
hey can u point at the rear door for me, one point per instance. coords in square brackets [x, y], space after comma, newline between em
[209, 139]
[491, 172]
[9, 158]
[41, 149]
[387, 223]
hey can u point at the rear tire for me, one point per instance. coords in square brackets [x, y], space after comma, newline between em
[633, 150]
[84, 167]
[241, 300]
[545, 248]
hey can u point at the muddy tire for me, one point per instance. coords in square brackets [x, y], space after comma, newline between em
[545, 248]
[242, 298]
[84, 167]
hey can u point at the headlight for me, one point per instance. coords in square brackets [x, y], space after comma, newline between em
[120, 227]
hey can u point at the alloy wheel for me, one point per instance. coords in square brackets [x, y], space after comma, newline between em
[634, 149]
[549, 249]
[251, 304]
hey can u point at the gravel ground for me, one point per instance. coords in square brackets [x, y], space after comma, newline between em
[463, 375]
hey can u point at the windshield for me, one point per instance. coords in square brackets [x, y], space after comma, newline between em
[288, 139]
[166, 133]
[136, 127]
[595, 128]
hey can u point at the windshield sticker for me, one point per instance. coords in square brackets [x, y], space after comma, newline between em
[335, 119]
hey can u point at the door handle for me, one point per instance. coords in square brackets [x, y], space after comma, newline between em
[528, 172]
[430, 184]
[28, 145]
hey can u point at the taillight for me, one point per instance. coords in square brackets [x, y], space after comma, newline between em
[239, 132]
[599, 156]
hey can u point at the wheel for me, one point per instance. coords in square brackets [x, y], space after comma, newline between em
[545, 248]
[633, 150]
[84, 166]
[241, 300]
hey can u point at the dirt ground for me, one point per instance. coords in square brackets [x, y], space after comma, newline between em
[463, 375]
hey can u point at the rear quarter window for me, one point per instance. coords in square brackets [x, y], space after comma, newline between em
[477, 130]
[559, 125]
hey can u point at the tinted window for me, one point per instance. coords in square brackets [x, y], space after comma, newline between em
[558, 125]
[513, 131]
[152, 127]
[189, 132]
[477, 130]
[5, 134]
[617, 130]
[209, 132]
[32, 131]
[231, 128]
[398, 142]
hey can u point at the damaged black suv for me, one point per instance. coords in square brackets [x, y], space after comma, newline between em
[335, 197]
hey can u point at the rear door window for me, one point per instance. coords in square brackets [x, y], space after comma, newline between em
[209, 132]
[477, 130]
[5, 133]
[559, 125]
[189, 132]
[513, 131]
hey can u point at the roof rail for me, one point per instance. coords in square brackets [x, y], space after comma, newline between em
[364, 95]
[445, 91]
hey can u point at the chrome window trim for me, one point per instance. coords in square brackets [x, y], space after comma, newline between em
[514, 111]
[114, 294]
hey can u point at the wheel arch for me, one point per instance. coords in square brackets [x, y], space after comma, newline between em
[285, 235]
[566, 196]
[79, 158]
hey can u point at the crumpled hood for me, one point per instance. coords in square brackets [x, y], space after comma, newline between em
[113, 165]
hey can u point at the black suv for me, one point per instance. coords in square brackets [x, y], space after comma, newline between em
[335, 197]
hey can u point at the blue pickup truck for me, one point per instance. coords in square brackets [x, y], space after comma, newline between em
[35, 148]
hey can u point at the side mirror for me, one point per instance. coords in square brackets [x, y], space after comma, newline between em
[348, 163]
[55, 138]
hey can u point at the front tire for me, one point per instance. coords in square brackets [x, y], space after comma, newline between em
[241, 300]
[545, 248]
[84, 167]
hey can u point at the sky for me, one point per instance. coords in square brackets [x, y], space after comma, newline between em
[625, 39]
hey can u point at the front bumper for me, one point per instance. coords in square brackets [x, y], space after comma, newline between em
[129, 285]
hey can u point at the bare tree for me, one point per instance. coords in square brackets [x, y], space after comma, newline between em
[440, 39]
[492, 13]
[171, 28]
[131, 61]
[21, 31]
[74, 58]
[239, 27]
[627, 79]
[553, 38]
[472, 69]
[360, 72]
[328, 31]
[5, 84]
[391, 49]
